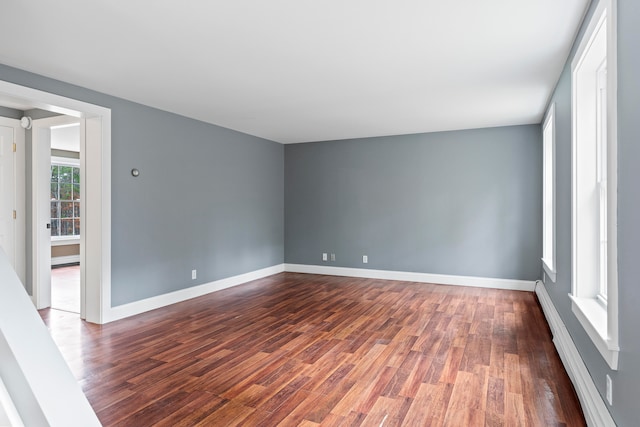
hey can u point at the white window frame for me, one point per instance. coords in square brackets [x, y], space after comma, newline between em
[601, 179]
[549, 193]
[598, 317]
[65, 240]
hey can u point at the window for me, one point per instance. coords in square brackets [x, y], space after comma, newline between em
[65, 198]
[594, 183]
[549, 195]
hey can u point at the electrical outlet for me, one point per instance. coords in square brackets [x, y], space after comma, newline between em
[365, 259]
[324, 256]
[194, 274]
[333, 257]
[609, 390]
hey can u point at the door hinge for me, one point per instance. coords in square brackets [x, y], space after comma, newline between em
[15, 215]
[14, 147]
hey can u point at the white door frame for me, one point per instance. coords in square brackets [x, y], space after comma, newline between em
[41, 210]
[95, 255]
[40, 220]
[20, 200]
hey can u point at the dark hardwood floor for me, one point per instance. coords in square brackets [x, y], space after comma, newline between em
[307, 350]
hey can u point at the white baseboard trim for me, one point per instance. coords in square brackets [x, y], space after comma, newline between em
[594, 408]
[442, 279]
[137, 307]
[69, 259]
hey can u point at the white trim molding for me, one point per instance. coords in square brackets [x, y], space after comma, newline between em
[441, 279]
[594, 169]
[593, 318]
[65, 240]
[96, 252]
[148, 304]
[549, 193]
[594, 408]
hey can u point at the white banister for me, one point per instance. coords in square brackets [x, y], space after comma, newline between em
[38, 380]
[8, 413]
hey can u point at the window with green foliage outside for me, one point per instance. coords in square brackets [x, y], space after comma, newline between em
[65, 200]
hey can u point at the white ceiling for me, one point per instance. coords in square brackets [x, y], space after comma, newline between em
[303, 70]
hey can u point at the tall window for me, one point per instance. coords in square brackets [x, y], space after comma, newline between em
[594, 183]
[65, 199]
[548, 195]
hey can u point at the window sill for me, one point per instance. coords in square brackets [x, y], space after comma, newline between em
[550, 271]
[593, 317]
[66, 240]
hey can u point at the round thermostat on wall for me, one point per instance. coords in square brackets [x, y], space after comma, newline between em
[26, 122]
[135, 172]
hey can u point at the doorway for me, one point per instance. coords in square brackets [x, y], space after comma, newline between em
[65, 200]
[95, 253]
[57, 207]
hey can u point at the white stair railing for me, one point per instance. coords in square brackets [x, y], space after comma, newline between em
[9, 416]
[39, 383]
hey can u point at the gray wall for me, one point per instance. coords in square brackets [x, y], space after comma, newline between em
[626, 381]
[11, 113]
[457, 203]
[207, 198]
[405, 207]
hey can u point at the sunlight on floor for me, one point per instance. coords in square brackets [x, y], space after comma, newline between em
[65, 288]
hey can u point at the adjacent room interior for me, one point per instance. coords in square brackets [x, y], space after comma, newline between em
[305, 214]
[65, 217]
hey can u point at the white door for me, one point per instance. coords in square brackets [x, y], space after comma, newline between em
[12, 216]
[7, 194]
[41, 178]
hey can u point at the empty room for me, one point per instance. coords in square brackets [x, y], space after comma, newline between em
[299, 213]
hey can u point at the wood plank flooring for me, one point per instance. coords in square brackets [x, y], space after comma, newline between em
[307, 350]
